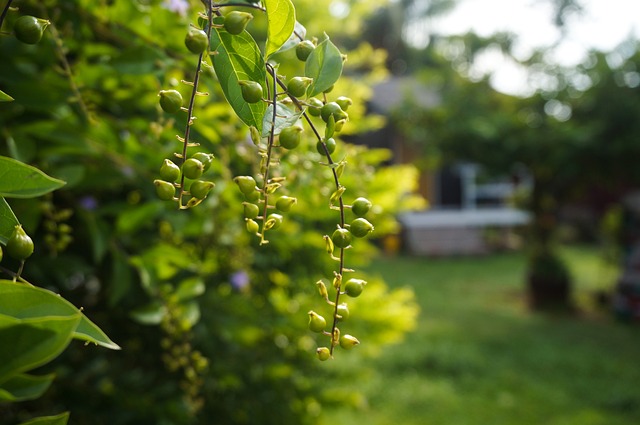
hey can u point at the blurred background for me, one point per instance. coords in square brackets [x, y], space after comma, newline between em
[499, 141]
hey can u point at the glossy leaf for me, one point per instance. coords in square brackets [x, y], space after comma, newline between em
[237, 58]
[285, 117]
[324, 65]
[19, 180]
[8, 221]
[23, 387]
[299, 32]
[5, 97]
[281, 20]
[60, 419]
[150, 314]
[24, 302]
[34, 342]
[190, 288]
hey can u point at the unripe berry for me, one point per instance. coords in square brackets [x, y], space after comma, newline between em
[360, 227]
[323, 353]
[251, 210]
[200, 189]
[341, 238]
[235, 22]
[252, 226]
[0, 252]
[361, 207]
[354, 287]
[205, 158]
[330, 143]
[192, 168]
[290, 137]
[348, 342]
[304, 49]
[314, 106]
[273, 221]
[170, 101]
[251, 91]
[196, 40]
[344, 102]
[246, 184]
[332, 108]
[284, 203]
[169, 171]
[165, 190]
[317, 323]
[297, 86]
[19, 245]
[29, 29]
[343, 312]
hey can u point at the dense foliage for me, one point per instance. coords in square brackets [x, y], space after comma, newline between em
[213, 327]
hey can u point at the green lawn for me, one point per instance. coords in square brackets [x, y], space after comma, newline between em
[478, 356]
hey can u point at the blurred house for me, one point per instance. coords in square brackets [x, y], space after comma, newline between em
[466, 216]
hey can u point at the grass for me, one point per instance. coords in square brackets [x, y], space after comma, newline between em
[479, 356]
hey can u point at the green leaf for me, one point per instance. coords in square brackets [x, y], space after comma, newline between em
[150, 314]
[8, 221]
[29, 343]
[237, 58]
[285, 117]
[281, 20]
[324, 65]
[5, 97]
[23, 387]
[19, 180]
[25, 302]
[60, 419]
[190, 288]
[299, 31]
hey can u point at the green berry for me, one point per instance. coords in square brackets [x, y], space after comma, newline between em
[341, 238]
[169, 171]
[344, 102]
[192, 168]
[297, 86]
[273, 221]
[0, 252]
[361, 207]
[246, 184]
[165, 190]
[330, 143]
[200, 189]
[252, 226]
[353, 287]
[251, 210]
[323, 353]
[304, 49]
[314, 106]
[290, 137]
[360, 227]
[196, 40]
[29, 29]
[343, 312]
[332, 108]
[284, 203]
[170, 101]
[252, 196]
[235, 22]
[205, 158]
[251, 91]
[348, 342]
[19, 245]
[317, 323]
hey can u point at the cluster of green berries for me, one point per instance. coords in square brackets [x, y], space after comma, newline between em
[172, 176]
[19, 245]
[29, 29]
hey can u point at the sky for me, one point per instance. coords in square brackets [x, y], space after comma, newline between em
[603, 25]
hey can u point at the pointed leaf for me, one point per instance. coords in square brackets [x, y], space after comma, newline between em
[19, 180]
[324, 65]
[60, 419]
[299, 32]
[190, 288]
[237, 58]
[281, 20]
[28, 302]
[285, 117]
[23, 387]
[8, 221]
[5, 97]
[150, 314]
